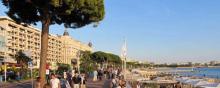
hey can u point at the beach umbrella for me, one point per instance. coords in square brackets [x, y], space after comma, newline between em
[200, 83]
[192, 81]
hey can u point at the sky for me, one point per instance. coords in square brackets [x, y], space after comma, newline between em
[159, 31]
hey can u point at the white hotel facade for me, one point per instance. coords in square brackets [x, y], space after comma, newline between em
[15, 37]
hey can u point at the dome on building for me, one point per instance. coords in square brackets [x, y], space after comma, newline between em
[65, 32]
[90, 44]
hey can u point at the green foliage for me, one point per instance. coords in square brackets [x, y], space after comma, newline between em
[101, 57]
[72, 13]
[87, 64]
[62, 67]
[136, 64]
[90, 60]
[85, 56]
[112, 58]
[22, 59]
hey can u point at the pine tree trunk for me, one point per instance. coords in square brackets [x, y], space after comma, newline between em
[44, 46]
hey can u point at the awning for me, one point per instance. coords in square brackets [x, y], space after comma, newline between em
[9, 60]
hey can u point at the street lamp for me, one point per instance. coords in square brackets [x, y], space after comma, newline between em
[78, 54]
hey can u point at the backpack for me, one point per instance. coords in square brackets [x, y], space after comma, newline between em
[76, 80]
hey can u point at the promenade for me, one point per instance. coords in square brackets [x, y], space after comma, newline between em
[105, 83]
[21, 84]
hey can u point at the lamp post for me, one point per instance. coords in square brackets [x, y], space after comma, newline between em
[3, 43]
[124, 55]
[5, 71]
[30, 65]
[78, 61]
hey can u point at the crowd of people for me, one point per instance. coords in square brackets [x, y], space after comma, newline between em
[116, 76]
[68, 80]
[74, 79]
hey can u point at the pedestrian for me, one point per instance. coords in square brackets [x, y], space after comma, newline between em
[105, 73]
[138, 84]
[178, 85]
[122, 82]
[115, 72]
[115, 82]
[110, 73]
[95, 73]
[37, 83]
[69, 78]
[73, 72]
[67, 85]
[83, 81]
[76, 79]
[100, 75]
[65, 75]
[54, 82]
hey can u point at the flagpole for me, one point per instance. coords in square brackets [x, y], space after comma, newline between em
[5, 71]
[123, 56]
[125, 67]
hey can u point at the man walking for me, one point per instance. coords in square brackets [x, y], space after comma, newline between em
[54, 82]
[76, 79]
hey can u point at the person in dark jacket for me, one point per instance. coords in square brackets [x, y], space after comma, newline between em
[76, 80]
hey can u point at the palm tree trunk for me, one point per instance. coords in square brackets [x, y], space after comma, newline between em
[44, 45]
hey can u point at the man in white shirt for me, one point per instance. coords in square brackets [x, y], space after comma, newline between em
[54, 82]
[95, 73]
[64, 75]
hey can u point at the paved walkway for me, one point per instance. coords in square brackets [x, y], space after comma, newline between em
[105, 83]
[21, 84]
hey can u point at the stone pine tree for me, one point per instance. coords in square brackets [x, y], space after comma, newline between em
[71, 13]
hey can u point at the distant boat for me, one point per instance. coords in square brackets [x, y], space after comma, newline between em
[192, 69]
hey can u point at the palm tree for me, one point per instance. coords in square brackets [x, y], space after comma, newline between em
[22, 60]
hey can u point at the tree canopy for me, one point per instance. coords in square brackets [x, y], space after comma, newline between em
[72, 13]
[101, 57]
[62, 68]
[90, 60]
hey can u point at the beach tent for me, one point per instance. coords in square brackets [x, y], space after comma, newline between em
[211, 85]
[182, 79]
[192, 81]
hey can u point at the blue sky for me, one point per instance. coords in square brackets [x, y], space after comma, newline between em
[156, 30]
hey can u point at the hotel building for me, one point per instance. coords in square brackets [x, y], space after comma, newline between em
[15, 37]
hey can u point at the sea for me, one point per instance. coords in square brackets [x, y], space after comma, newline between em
[209, 72]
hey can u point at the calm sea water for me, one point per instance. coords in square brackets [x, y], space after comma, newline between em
[202, 72]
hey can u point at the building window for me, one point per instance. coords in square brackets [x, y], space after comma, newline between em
[12, 26]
